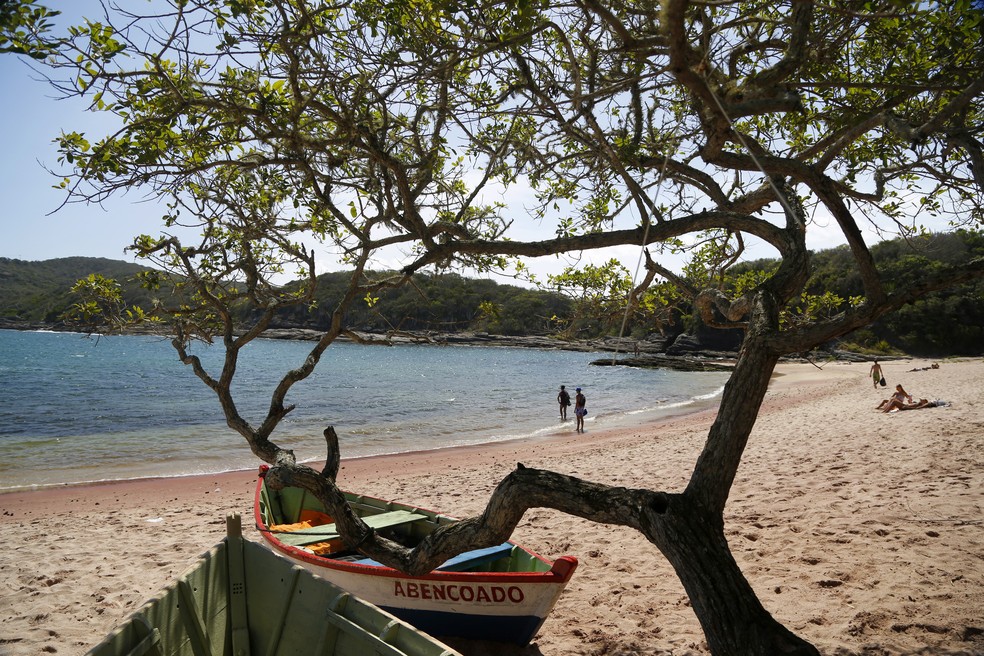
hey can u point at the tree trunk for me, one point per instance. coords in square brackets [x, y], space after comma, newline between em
[691, 533]
[733, 620]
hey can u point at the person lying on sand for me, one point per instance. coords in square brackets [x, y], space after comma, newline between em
[921, 403]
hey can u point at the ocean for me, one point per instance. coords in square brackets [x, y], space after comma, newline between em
[75, 409]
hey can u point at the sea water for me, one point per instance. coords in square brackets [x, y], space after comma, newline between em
[76, 409]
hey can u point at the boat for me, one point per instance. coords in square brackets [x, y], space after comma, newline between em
[241, 598]
[502, 593]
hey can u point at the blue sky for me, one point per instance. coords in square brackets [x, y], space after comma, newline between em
[30, 119]
[32, 229]
[34, 225]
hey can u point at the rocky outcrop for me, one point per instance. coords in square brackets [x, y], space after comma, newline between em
[677, 363]
[707, 340]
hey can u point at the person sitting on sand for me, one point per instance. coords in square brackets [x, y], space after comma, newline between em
[897, 400]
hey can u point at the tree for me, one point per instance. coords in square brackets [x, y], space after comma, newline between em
[278, 129]
[25, 29]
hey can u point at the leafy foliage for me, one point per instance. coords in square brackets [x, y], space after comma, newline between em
[24, 28]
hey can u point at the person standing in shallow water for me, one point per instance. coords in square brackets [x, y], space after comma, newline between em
[564, 399]
[580, 409]
[876, 373]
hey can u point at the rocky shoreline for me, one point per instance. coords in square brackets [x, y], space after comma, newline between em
[626, 351]
[683, 353]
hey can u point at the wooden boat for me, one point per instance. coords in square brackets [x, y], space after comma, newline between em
[242, 598]
[501, 593]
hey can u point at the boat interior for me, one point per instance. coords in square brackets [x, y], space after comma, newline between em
[297, 519]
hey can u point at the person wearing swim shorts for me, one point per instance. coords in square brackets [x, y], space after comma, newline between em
[580, 409]
[876, 373]
[564, 399]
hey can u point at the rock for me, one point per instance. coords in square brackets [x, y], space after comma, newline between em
[707, 339]
[677, 363]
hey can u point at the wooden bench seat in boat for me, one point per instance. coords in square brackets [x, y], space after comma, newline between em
[463, 561]
[328, 532]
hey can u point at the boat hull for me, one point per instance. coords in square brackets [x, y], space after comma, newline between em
[490, 607]
[507, 606]
[240, 598]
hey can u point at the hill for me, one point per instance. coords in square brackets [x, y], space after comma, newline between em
[34, 294]
[39, 292]
[445, 303]
[949, 322]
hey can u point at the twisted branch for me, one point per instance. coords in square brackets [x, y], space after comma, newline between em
[521, 490]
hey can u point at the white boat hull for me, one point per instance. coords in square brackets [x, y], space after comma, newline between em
[484, 607]
[508, 606]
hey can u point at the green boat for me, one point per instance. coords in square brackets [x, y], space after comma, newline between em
[243, 599]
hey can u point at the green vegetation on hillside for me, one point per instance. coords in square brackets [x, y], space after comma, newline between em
[943, 323]
[949, 322]
[40, 292]
[447, 303]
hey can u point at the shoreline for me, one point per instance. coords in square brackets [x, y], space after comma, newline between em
[559, 431]
[859, 531]
[432, 337]
[67, 425]
[452, 450]
[420, 458]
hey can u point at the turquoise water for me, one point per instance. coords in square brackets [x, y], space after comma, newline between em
[75, 409]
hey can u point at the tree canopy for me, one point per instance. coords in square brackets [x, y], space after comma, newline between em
[284, 131]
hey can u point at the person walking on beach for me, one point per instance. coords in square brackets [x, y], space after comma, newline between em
[580, 409]
[564, 399]
[876, 373]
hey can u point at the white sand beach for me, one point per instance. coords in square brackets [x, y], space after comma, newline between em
[863, 532]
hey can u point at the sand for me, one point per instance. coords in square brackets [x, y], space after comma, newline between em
[863, 532]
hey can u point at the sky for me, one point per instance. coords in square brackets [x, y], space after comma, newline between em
[34, 224]
[30, 228]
